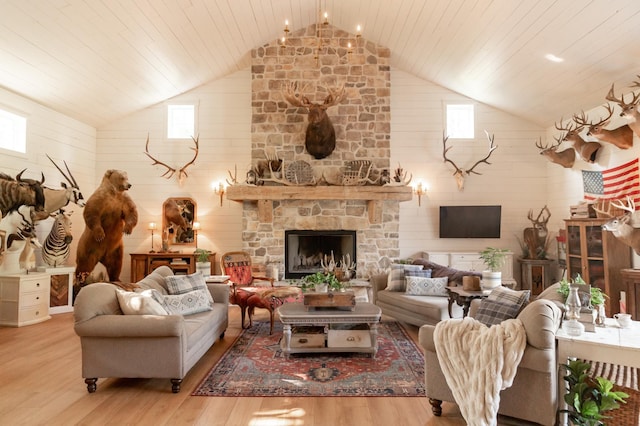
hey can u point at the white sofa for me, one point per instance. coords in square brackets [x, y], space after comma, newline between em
[144, 346]
[418, 310]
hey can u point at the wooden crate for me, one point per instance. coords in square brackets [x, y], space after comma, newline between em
[341, 300]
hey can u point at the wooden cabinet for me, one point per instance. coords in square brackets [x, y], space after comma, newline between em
[535, 275]
[142, 264]
[24, 299]
[598, 257]
[470, 261]
[631, 281]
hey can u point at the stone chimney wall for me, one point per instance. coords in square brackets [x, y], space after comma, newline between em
[362, 124]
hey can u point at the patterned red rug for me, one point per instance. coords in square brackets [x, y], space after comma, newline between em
[255, 366]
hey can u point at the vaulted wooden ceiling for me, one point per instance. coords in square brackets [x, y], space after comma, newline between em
[98, 60]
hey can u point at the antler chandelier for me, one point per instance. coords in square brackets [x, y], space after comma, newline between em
[323, 43]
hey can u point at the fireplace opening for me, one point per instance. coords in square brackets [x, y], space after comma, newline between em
[305, 250]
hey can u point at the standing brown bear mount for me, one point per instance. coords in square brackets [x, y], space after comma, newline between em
[320, 139]
[108, 214]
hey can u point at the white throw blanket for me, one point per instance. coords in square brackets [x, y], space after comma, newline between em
[478, 362]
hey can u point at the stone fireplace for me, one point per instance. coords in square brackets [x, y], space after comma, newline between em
[362, 126]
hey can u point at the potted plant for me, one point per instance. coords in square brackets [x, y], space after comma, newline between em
[493, 258]
[322, 282]
[203, 264]
[588, 398]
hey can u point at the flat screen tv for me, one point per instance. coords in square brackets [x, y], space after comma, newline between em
[470, 221]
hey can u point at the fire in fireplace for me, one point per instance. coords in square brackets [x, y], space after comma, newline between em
[304, 250]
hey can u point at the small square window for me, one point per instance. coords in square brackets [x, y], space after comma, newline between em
[13, 132]
[181, 121]
[460, 123]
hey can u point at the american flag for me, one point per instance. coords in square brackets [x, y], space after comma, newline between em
[616, 183]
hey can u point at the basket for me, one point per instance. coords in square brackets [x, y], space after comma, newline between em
[627, 414]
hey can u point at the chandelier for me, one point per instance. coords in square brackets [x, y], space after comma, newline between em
[322, 44]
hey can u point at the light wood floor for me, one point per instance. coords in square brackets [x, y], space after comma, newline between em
[41, 384]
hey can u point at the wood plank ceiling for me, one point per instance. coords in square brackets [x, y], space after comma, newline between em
[98, 60]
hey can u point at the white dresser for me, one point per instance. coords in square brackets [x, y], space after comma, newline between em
[24, 299]
[470, 261]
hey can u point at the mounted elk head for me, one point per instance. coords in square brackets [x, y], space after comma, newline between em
[622, 137]
[629, 109]
[21, 191]
[461, 174]
[320, 138]
[182, 172]
[588, 151]
[621, 226]
[564, 158]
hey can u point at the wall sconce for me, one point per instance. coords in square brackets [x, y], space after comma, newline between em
[220, 190]
[152, 227]
[196, 227]
[420, 190]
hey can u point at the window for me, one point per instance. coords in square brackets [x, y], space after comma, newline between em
[460, 124]
[13, 132]
[181, 121]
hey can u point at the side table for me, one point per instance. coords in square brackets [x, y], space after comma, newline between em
[463, 298]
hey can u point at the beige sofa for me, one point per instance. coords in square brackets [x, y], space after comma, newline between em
[144, 346]
[533, 395]
[418, 310]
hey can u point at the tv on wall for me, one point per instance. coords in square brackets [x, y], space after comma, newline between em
[470, 221]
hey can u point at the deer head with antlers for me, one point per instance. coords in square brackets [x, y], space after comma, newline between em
[461, 174]
[629, 109]
[588, 151]
[564, 158]
[182, 172]
[320, 138]
[622, 136]
[621, 227]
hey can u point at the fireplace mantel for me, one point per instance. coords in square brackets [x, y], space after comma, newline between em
[265, 195]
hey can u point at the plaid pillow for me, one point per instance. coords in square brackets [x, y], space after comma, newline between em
[492, 312]
[423, 286]
[181, 284]
[395, 281]
[504, 294]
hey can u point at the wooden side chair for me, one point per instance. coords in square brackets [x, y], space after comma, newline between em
[237, 264]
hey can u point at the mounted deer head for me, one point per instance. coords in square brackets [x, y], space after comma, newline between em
[622, 137]
[588, 151]
[621, 227]
[629, 109]
[182, 172]
[461, 174]
[564, 158]
[535, 237]
[320, 138]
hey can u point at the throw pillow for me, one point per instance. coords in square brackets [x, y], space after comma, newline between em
[181, 284]
[395, 281]
[187, 303]
[422, 286]
[142, 303]
[493, 312]
[504, 294]
[425, 273]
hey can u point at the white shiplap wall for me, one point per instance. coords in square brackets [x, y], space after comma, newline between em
[224, 118]
[62, 138]
[516, 178]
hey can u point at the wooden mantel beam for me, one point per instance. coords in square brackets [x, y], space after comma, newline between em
[265, 195]
[369, 193]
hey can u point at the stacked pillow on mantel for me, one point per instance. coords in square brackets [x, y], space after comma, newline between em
[176, 295]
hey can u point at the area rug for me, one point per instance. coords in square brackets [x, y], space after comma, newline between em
[256, 366]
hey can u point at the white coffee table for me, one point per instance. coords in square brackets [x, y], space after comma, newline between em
[295, 314]
[610, 344]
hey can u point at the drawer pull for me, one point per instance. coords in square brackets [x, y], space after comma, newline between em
[37, 312]
[303, 340]
[37, 297]
[351, 339]
[37, 284]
